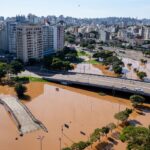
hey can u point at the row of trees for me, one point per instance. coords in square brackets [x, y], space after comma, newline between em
[141, 75]
[61, 60]
[137, 101]
[95, 136]
[13, 68]
[99, 132]
[137, 138]
[130, 134]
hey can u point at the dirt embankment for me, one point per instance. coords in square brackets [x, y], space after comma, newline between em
[105, 70]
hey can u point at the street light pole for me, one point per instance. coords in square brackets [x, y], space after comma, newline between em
[60, 142]
[41, 138]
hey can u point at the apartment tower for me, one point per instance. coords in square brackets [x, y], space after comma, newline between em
[29, 42]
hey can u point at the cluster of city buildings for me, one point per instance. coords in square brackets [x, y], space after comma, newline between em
[34, 37]
[30, 37]
[131, 35]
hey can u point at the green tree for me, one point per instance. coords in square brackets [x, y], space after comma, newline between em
[123, 115]
[95, 135]
[141, 75]
[117, 69]
[114, 60]
[3, 72]
[16, 67]
[56, 63]
[138, 138]
[91, 46]
[137, 100]
[67, 148]
[105, 130]
[103, 54]
[20, 90]
[70, 38]
[111, 126]
[80, 146]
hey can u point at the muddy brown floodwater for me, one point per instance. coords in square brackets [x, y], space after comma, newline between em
[81, 110]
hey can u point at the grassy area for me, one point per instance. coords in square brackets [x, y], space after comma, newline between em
[36, 79]
[82, 53]
[29, 79]
[94, 62]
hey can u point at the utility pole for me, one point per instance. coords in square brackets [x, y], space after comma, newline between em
[41, 138]
[60, 142]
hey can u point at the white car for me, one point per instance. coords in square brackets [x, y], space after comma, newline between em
[139, 89]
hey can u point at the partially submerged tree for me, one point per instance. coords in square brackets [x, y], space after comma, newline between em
[138, 138]
[137, 100]
[67, 148]
[111, 126]
[105, 130]
[123, 115]
[20, 90]
[95, 135]
[80, 145]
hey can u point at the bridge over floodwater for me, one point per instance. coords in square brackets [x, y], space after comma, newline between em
[22, 116]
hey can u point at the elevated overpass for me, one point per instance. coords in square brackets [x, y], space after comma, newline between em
[22, 116]
[120, 84]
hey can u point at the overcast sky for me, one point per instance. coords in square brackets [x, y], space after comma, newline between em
[77, 8]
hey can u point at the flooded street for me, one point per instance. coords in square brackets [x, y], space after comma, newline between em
[55, 108]
[77, 109]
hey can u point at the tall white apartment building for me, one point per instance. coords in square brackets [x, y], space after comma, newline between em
[58, 37]
[29, 42]
[53, 39]
[146, 33]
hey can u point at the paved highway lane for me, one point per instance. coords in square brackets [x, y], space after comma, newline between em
[102, 81]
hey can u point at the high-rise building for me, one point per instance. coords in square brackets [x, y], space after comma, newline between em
[20, 18]
[146, 33]
[33, 19]
[29, 42]
[3, 37]
[58, 37]
[53, 38]
[104, 36]
[11, 35]
[1, 18]
[48, 39]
